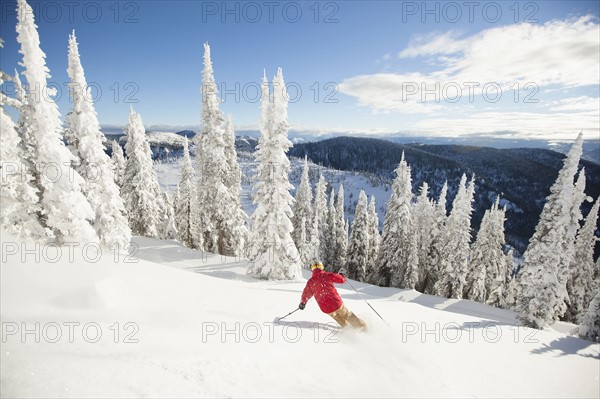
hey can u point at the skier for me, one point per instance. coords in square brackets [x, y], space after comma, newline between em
[321, 286]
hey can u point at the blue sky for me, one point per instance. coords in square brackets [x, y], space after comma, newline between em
[357, 66]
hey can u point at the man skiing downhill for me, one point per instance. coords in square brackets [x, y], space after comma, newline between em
[320, 285]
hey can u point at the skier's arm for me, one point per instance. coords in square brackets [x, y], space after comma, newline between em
[306, 294]
[336, 278]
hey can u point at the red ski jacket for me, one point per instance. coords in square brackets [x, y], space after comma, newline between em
[321, 286]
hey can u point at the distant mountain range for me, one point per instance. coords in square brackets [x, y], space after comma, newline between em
[521, 176]
[591, 148]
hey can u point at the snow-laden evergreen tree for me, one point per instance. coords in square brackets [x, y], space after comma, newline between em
[302, 205]
[581, 283]
[541, 291]
[234, 172]
[208, 167]
[64, 208]
[185, 202]
[196, 221]
[236, 231]
[176, 215]
[577, 200]
[398, 260]
[437, 243]
[24, 124]
[488, 263]
[498, 266]
[141, 192]
[274, 255]
[87, 144]
[340, 235]
[330, 231]
[320, 220]
[358, 250]
[589, 328]
[118, 160]
[19, 201]
[501, 292]
[223, 220]
[312, 239]
[346, 234]
[422, 224]
[169, 231]
[305, 249]
[455, 262]
[374, 237]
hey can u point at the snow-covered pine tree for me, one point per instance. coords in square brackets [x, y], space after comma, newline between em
[497, 272]
[499, 266]
[541, 290]
[19, 201]
[184, 203]
[305, 247]
[358, 250]
[437, 242]
[398, 262]
[422, 224]
[24, 124]
[589, 328]
[581, 282]
[320, 216]
[313, 240]
[262, 156]
[176, 215]
[141, 193]
[169, 231]
[302, 205]
[340, 243]
[197, 224]
[87, 143]
[64, 208]
[488, 263]
[207, 166]
[330, 233]
[274, 255]
[346, 234]
[118, 160]
[235, 229]
[502, 293]
[454, 265]
[374, 237]
[223, 220]
[234, 172]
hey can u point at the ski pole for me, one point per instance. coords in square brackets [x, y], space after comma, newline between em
[281, 318]
[361, 297]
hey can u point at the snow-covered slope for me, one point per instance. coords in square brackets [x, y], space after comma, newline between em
[192, 324]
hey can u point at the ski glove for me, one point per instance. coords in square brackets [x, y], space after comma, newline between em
[301, 306]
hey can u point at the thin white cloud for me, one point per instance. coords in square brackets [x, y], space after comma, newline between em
[523, 124]
[434, 44]
[386, 92]
[557, 55]
[581, 103]
[561, 52]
